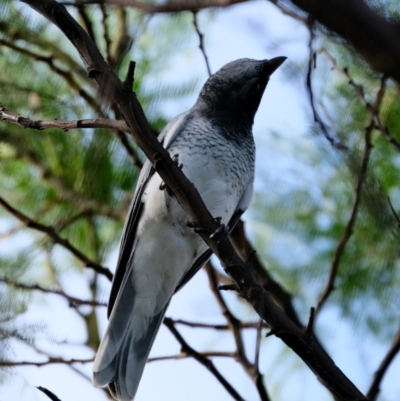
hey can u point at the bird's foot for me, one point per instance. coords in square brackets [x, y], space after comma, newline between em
[175, 159]
[222, 229]
[163, 185]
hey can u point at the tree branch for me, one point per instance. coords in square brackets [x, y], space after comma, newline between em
[50, 361]
[201, 42]
[186, 348]
[185, 355]
[35, 287]
[118, 127]
[168, 7]
[64, 73]
[348, 232]
[51, 232]
[305, 345]
[374, 389]
[374, 112]
[65, 125]
[372, 36]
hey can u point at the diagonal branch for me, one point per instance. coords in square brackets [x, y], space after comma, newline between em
[64, 73]
[52, 233]
[303, 343]
[186, 348]
[235, 326]
[201, 42]
[394, 350]
[35, 287]
[373, 111]
[348, 232]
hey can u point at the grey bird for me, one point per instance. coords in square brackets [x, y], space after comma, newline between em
[159, 253]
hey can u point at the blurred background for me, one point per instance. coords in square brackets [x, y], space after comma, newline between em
[323, 220]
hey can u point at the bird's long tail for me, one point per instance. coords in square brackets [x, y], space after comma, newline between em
[121, 358]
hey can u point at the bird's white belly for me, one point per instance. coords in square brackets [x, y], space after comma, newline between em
[166, 246]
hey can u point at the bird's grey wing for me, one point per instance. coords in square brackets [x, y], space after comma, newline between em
[202, 259]
[121, 357]
[127, 244]
[128, 236]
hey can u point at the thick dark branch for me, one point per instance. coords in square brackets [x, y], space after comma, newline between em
[279, 294]
[373, 37]
[186, 348]
[186, 194]
[52, 233]
[394, 350]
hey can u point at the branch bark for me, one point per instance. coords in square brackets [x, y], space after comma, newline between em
[303, 342]
[375, 38]
[52, 233]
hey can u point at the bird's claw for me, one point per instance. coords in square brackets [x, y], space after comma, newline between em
[222, 229]
[175, 160]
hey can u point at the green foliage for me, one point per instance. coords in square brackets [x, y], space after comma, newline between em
[79, 182]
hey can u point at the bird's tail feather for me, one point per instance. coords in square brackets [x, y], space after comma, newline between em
[123, 372]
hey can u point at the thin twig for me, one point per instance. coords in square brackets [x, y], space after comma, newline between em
[106, 35]
[186, 348]
[234, 324]
[289, 12]
[360, 93]
[348, 232]
[243, 325]
[169, 6]
[64, 73]
[50, 232]
[49, 394]
[35, 287]
[50, 361]
[201, 42]
[312, 59]
[394, 350]
[184, 355]
[64, 191]
[64, 125]
[117, 127]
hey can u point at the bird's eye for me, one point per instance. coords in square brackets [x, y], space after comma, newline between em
[255, 87]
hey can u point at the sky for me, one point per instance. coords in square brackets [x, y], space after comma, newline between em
[255, 30]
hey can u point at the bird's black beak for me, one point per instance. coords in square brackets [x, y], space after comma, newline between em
[273, 64]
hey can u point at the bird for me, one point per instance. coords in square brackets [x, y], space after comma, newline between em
[159, 252]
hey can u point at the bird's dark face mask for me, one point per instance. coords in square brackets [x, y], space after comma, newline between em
[235, 91]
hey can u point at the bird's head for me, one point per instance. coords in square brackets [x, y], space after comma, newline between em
[237, 88]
